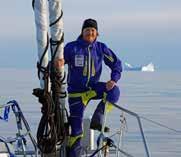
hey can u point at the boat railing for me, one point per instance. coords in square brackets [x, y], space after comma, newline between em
[20, 139]
[115, 149]
[19, 115]
[139, 124]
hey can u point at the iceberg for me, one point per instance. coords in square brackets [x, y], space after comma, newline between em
[149, 67]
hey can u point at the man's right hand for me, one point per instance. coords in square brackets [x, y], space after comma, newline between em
[59, 63]
[110, 84]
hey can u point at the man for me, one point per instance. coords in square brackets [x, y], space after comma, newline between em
[84, 58]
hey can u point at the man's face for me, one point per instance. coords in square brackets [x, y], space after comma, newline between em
[89, 34]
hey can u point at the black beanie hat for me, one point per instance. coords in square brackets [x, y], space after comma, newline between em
[90, 23]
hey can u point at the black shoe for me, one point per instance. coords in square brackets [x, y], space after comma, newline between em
[98, 127]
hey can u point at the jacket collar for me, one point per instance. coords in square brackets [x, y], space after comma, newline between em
[85, 43]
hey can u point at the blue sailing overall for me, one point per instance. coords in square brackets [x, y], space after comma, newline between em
[84, 69]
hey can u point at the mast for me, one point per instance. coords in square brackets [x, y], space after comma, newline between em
[51, 93]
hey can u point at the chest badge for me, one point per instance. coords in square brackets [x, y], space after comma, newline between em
[79, 60]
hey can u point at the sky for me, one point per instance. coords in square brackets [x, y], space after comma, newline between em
[138, 31]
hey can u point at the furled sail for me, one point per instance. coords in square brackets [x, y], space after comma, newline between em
[49, 31]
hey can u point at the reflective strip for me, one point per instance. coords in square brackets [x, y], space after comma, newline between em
[109, 58]
[89, 66]
[85, 68]
[73, 139]
[93, 69]
[86, 96]
[109, 105]
[104, 97]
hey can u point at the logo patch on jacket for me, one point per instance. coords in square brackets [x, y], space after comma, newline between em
[79, 60]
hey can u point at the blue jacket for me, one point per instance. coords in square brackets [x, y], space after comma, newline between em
[85, 64]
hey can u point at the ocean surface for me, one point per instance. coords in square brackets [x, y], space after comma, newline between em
[152, 95]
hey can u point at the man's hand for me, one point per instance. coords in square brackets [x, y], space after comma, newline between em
[59, 63]
[110, 84]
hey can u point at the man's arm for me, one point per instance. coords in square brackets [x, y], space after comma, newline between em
[60, 62]
[114, 64]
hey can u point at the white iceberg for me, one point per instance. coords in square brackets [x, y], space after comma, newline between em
[149, 67]
[129, 67]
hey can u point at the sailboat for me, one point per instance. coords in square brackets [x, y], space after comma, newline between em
[52, 131]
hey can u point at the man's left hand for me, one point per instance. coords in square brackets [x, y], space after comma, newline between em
[110, 84]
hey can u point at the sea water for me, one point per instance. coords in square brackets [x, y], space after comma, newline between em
[152, 95]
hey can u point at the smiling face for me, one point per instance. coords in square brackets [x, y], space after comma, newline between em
[89, 34]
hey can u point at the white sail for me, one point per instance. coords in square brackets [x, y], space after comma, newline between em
[41, 8]
[41, 21]
[56, 26]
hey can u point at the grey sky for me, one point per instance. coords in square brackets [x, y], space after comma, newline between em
[139, 31]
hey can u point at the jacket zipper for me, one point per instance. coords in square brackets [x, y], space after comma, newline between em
[89, 66]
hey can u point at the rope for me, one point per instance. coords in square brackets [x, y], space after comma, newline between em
[59, 108]
[57, 80]
[57, 44]
[46, 134]
[53, 23]
[39, 65]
